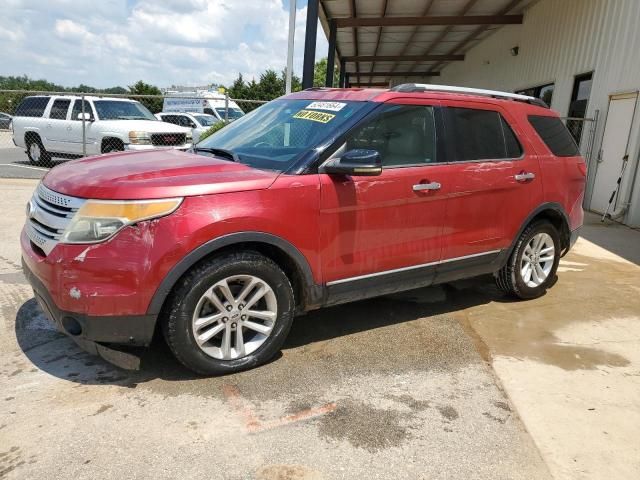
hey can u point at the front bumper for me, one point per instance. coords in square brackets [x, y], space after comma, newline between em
[96, 335]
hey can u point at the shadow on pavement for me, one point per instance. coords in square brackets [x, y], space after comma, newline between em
[57, 355]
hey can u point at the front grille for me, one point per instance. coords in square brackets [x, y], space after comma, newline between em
[48, 215]
[168, 139]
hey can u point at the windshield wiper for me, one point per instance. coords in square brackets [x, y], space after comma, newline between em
[222, 152]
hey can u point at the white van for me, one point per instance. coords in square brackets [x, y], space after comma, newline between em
[210, 103]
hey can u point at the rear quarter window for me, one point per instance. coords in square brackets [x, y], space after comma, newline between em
[555, 135]
[32, 107]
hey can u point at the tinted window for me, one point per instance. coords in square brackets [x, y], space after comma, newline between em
[186, 122]
[555, 135]
[402, 134]
[479, 135]
[77, 109]
[32, 107]
[514, 150]
[170, 119]
[59, 109]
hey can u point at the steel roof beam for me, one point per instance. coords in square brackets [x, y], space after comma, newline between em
[346, 22]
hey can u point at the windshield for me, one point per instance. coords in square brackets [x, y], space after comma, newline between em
[272, 136]
[234, 113]
[118, 110]
[206, 120]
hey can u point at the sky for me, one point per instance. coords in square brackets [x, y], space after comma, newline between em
[106, 43]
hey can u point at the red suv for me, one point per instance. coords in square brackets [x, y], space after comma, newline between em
[317, 198]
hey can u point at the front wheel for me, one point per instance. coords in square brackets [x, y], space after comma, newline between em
[230, 314]
[532, 266]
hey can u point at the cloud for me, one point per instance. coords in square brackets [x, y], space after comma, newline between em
[164, 42]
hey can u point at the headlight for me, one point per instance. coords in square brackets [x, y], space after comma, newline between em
[97, 220]
[139, 138]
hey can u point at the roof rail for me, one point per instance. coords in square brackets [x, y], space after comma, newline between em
[424, 87]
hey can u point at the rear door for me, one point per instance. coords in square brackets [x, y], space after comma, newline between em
[495, 182]
[377, 232]
[57, 125]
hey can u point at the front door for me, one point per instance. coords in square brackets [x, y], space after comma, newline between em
[615, 144]
[377, 231]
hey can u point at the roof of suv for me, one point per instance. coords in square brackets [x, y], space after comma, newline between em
[421, 91]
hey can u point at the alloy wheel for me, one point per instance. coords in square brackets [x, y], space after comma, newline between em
[537, 260]
[34, 152]
[234, 317]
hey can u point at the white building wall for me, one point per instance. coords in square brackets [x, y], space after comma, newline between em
[558, 40]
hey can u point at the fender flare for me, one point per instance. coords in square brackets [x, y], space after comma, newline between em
[212, 246]
[553, 206]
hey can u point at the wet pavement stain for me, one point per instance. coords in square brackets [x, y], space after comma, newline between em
[448, 412]
[364, 426]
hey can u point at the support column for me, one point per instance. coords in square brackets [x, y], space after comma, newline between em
[343, 68]
[310, 44]
[331, 54]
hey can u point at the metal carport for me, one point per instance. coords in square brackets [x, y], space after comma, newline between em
[377, 42]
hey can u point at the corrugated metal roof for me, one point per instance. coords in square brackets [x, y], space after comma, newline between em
[401, 41]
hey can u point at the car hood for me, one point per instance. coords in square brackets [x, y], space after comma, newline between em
[154, 174]
[142, 126]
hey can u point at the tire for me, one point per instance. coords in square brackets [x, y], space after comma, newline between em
[518, 281]
[192, 305]
[36, 152]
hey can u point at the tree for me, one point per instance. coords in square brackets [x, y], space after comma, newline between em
[141, 88]
[320, 74]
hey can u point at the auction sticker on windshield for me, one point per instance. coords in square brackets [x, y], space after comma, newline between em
[331, 106]
[314, 116]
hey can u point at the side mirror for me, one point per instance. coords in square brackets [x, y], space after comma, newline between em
[87, 116]
[357, 162]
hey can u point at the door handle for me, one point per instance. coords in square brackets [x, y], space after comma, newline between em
[419, 187]
[524, 176]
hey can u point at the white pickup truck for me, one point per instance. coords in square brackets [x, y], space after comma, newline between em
[51, 126]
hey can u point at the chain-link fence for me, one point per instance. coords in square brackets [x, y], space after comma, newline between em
[583, 131]
[38, 129]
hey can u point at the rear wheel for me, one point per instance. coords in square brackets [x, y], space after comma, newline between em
[36, 152]
[230, 314]
[532, 266]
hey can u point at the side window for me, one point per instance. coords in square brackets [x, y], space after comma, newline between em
[77, 109]
[170, 119]
[186, 122]
[474, 134]
[32, 107]
[402, 134]
[514, 149]
[59, 109]
[555, 135]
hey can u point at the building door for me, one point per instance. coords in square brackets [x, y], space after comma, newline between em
[615, 142]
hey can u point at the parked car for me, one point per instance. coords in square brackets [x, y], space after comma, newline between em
[318, 198]
[5, 121]
[51, 126]
[211, 103]
[197, 122]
